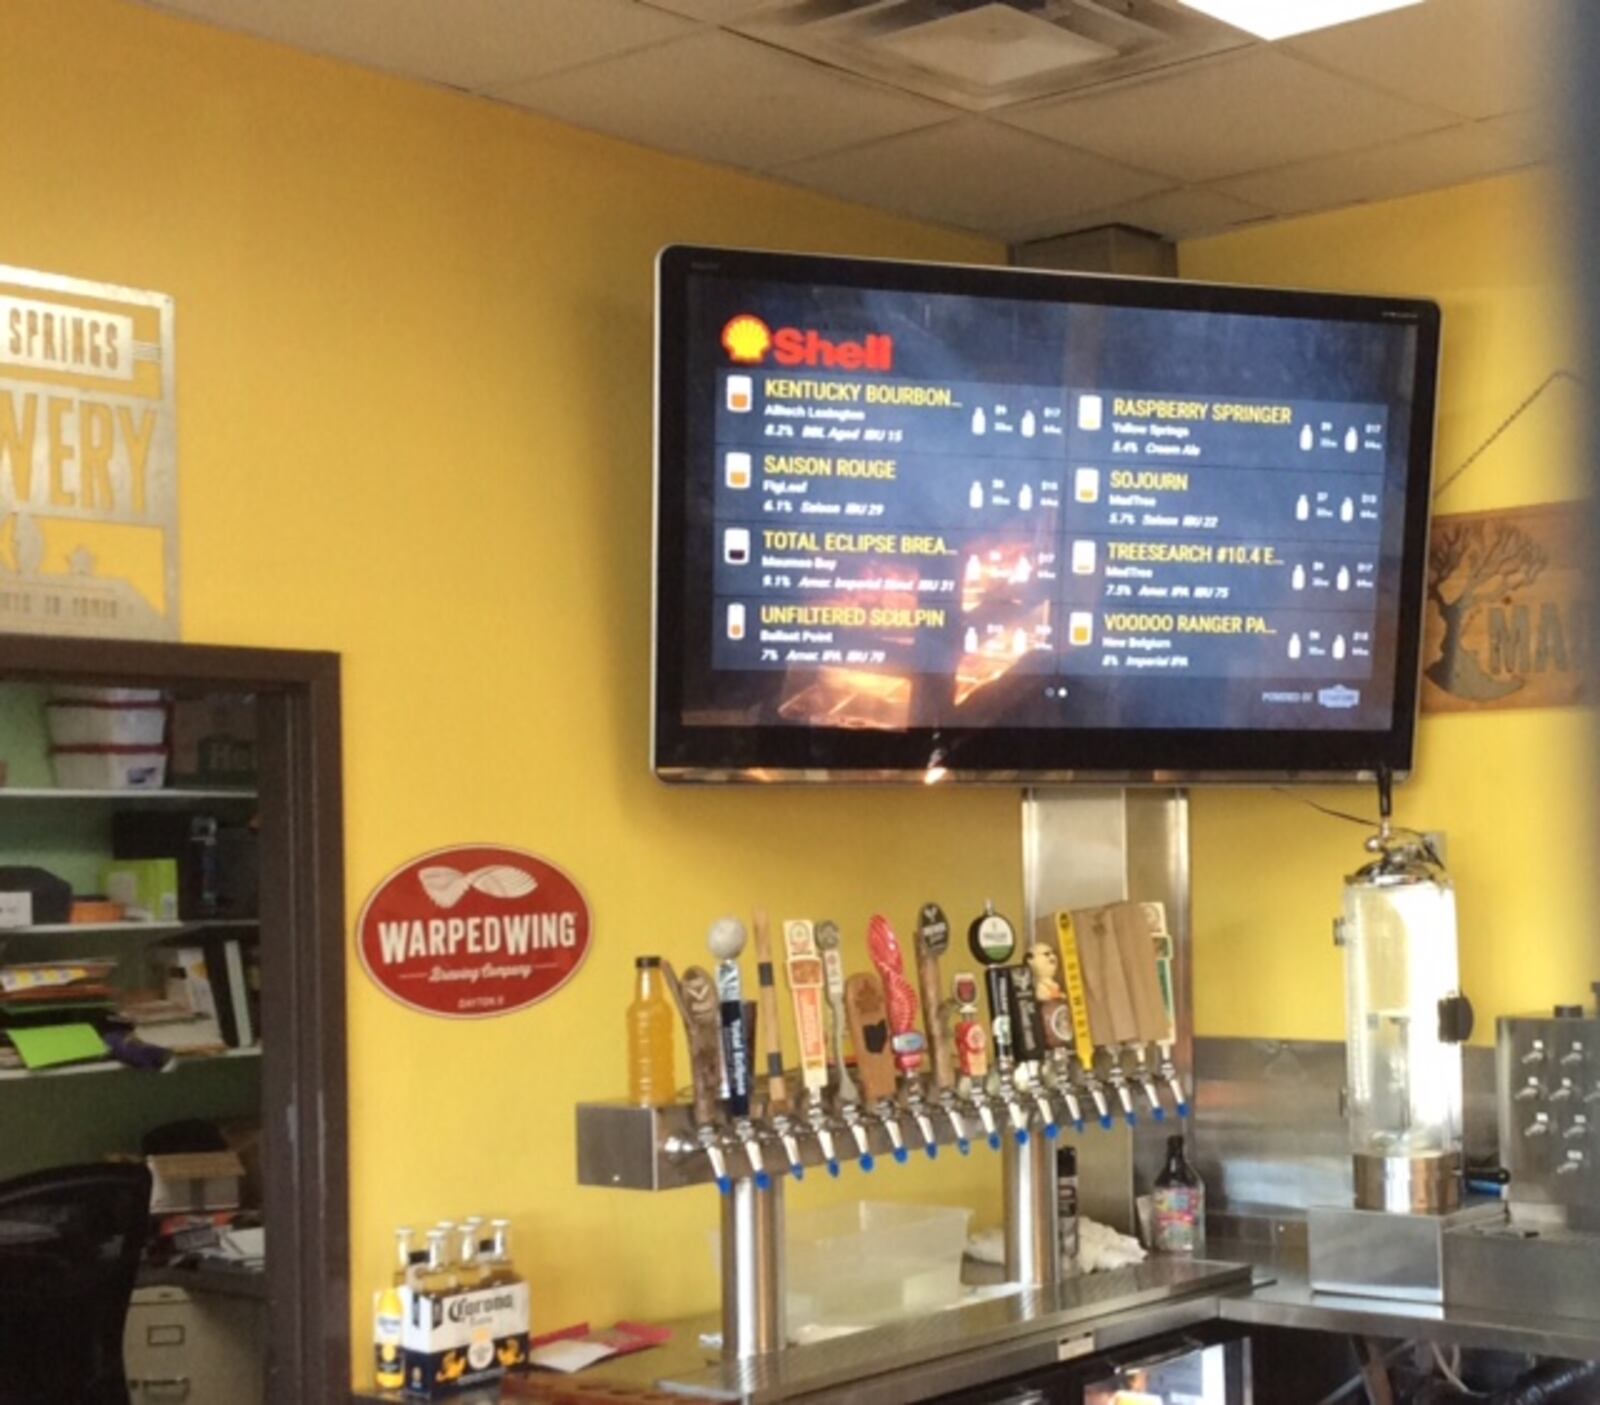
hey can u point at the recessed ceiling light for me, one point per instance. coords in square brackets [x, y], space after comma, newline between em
[1278, 19]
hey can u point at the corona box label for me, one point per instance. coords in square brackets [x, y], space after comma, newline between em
[88, 459]
[449, 1341]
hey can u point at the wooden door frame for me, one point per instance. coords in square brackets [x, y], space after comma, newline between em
[304, 1090]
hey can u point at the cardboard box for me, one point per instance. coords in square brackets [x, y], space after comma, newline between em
[450, 1341]
[191, 1181]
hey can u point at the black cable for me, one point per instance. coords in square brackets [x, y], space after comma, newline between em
[1325, 809]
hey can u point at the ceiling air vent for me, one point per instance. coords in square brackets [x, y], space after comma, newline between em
[984, 54]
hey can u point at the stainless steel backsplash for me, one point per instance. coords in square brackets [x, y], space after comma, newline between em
[1269, 1134]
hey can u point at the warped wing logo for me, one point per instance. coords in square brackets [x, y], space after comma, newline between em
[447, 886]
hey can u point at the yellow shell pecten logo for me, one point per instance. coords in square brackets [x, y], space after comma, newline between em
[746, 339]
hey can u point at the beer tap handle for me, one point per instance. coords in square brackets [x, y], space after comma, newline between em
[827, 935]
[933, 940]
[803, 968]
[1027, 1033]
[703, 1031]
[726, 940]
[906, 1040]
[869, 1032]
[771, 1031]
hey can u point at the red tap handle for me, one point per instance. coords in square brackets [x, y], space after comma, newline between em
[884, 949]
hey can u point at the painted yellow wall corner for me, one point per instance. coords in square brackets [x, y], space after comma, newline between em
[1509, 789]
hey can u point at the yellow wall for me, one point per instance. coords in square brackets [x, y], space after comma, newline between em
[1507, 788]
[414, 396]
[413, 349]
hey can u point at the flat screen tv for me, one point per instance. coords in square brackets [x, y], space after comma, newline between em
[919, 522]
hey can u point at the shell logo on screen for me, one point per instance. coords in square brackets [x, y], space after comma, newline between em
[746, 339]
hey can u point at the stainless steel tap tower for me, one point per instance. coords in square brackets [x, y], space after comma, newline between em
[1080, 848]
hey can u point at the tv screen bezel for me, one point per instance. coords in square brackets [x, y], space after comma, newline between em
[1018, 755]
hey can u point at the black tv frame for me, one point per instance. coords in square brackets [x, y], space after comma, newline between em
[1018, 755]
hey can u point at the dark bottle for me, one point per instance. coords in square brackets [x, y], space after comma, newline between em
[1067, 1203]
[1178, 1207]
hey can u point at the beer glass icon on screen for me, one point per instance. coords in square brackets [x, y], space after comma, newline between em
[741, 394]
[1086, 484]
[736, 469]
[1080, 628]
[1091, 410]
[736, 620]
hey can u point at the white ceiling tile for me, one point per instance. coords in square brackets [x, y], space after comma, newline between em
[465, 43]
[1470, 151]
[977, 175]
[1177, 214]
[1226, 115]
[723, 98]
[1473, 57]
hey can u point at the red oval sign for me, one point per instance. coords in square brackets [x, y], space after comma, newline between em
[474, 930]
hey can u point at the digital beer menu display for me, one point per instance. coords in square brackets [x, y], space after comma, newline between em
[926, 521]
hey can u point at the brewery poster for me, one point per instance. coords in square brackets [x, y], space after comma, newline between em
[88, 459]
[1507, 610]
[474, 930]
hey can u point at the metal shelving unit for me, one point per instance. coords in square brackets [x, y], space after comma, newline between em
[112, 1066]
[148, 929]
[49, 792]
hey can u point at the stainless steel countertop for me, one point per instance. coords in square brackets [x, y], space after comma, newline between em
[1282, 1297]
[1251, 1284]
[949, 1350]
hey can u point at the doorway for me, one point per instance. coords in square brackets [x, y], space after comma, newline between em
[304, 1142]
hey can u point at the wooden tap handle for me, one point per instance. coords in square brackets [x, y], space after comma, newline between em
[703, 1028]
[936, 1015]
[933, 940]
[771, 1032]
[869, 1033]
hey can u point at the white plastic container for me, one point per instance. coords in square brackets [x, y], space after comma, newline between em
[108, 767]
[869, 1261]
[107, 724]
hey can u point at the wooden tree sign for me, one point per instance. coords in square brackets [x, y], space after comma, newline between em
[1507, 621]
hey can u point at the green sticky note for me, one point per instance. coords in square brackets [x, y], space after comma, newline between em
[48, 1045]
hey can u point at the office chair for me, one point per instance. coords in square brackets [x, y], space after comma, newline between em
[70, 1239]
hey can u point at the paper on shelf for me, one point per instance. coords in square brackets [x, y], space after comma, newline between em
[45, 1046]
